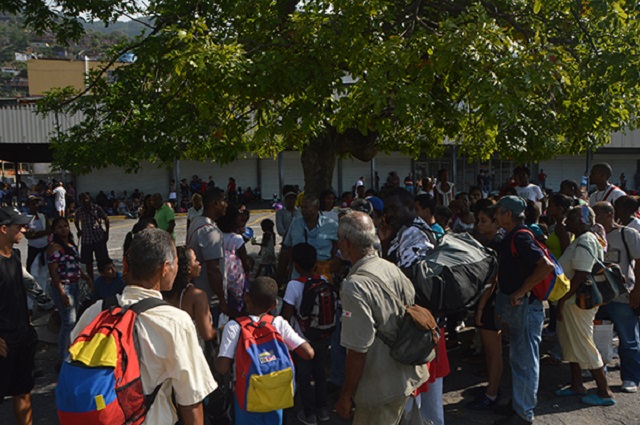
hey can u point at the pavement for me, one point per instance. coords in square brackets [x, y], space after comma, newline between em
[464, 381]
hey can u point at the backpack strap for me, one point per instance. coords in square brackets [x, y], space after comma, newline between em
[146, 304]
[109, 303]
[385, 288]
[514, 252]
[611, 189]
[626, 247]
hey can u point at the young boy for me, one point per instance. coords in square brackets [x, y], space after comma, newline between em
[110, 282]
[314, 400]
[261, 298]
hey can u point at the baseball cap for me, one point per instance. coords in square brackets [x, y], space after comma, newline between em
[515, 204]
[361, 205]
[290, 194]
[376, 203]
[11, 215]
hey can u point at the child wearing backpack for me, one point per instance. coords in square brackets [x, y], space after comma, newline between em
[310, 304]
[260, 344]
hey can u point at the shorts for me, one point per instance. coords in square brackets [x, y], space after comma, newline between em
[489, 315]
[16, 370]
[87, 252]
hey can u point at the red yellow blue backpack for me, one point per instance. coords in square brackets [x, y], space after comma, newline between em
[263, 366]
[100, 382]
[556, 284]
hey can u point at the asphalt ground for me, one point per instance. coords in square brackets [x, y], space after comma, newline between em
[465, 380]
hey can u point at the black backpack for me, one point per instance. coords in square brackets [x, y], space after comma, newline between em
[450, 278]
[317, 314]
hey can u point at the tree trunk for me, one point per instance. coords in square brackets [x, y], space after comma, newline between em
[318, 162]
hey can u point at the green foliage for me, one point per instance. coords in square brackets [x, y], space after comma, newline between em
[216, 78]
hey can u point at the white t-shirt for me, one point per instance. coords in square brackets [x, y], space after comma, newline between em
[293, 296]
[531, 192]
[59, 193]
[231, 336]
[193, 213]
[616, 253]
[232, 242]
[634, 223]
[609, 194]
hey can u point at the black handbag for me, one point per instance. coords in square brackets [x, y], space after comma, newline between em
[417, 338]
[603, 285]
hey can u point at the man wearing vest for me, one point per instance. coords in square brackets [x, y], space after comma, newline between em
[517, 309]
[605, 191]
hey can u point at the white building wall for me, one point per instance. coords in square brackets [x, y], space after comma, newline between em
[395, 161]
[244, 171]
[150, 179]
[269, 177]
[293, 173]
[573, 167]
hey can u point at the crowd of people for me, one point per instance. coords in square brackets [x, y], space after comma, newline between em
[335, 293]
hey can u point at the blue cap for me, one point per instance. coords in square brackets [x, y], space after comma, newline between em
[515, 204]
[376, 203]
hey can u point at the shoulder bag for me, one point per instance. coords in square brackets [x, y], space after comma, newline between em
[602, 285]
[417, 338]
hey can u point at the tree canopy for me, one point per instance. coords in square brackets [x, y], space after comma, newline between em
[216, 78]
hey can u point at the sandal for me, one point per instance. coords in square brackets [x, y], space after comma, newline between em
[595, 400]
[568, 392]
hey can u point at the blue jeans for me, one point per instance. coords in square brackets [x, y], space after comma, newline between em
[625, 323]
[525, 333]
[67, 316]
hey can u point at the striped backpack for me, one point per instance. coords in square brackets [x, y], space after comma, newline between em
[100, 382]
[264, 369]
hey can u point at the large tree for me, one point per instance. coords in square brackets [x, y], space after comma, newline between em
[216, 78]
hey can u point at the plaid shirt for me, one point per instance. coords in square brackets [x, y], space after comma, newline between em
[91, 223]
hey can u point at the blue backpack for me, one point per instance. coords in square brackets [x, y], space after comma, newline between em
[264, 369]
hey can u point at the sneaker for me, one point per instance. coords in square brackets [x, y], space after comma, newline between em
[482, 403]
[629, 387]
[323, 414]
[307, 420]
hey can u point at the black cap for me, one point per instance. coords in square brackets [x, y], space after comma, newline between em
[11, 215]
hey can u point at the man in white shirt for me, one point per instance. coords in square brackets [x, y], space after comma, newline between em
[167, 340]
[626, 209]
[60, 200]
[624, 250]
[524, 188]
[605, 191]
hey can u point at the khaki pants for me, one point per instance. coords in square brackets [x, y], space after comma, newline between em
[384, 414]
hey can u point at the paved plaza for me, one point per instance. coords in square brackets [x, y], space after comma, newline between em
[460, 386]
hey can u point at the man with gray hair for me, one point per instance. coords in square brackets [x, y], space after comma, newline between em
[377, 383]
[170, 356]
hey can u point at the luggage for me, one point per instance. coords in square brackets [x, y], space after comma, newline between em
[451, 277]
